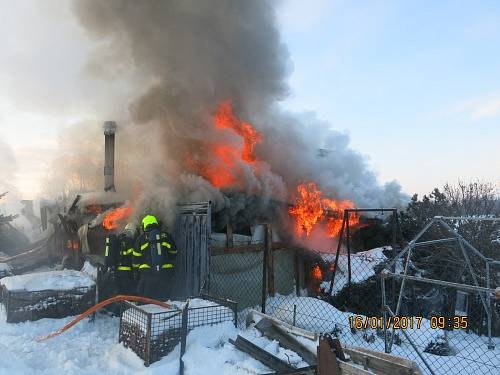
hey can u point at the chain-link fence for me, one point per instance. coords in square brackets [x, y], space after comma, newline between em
[317, 306]
[445, 328]
[302, 295]
[238, 276]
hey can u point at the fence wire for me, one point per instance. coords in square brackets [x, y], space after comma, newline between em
[353, 312]
[238, 277]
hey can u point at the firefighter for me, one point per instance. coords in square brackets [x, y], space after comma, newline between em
[156, 261]
[125, 278]
[119, 257]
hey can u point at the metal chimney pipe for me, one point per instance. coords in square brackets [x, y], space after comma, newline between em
[109, 155]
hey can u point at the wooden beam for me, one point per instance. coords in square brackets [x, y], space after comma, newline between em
[380, 362]
[229, 235]
[260, 355]
[327, 360]
[249, 248]
[268, 246]
[222, 250]
[287, 341]
[309, 370]
[255, 316]
[348, 369]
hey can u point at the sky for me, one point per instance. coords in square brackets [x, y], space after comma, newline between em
[416, 84]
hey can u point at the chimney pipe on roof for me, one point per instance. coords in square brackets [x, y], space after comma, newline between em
[109, 155]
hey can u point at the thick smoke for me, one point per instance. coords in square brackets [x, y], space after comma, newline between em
[193, 55]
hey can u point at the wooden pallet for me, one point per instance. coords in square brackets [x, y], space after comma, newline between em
[331, 357]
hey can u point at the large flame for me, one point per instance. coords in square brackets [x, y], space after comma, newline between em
[311, 209]
[113, 219]
[228, 155]
[225, 119]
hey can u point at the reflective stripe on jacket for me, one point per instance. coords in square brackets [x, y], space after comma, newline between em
[164, 244]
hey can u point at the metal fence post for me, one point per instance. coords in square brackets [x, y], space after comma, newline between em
[491, 344]
[294, 314]
[148, 340]
[384, 311]
[264, 281]
[184, 332]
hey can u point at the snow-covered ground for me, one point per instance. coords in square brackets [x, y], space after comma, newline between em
[93, 349]
[52, 280]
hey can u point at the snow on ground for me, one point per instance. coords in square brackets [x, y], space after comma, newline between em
[52, 280]
[362, 267]
[93, 349]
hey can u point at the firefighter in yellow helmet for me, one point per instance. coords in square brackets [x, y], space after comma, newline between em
[119, 259]
[156, 262]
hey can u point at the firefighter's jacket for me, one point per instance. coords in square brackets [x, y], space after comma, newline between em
[120, 253]
[162, 246]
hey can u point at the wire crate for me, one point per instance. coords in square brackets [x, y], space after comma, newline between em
[152, 331]
[33, 305]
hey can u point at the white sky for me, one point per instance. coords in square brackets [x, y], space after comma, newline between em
[417, 89]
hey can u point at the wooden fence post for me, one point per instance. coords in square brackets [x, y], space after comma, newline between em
[268, 248]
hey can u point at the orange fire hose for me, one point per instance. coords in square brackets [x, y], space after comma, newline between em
[98, 306]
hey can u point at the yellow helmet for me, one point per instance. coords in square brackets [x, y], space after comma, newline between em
[149, 220]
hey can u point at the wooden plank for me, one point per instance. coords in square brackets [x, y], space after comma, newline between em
[309, 370]
[327, 361]
[381, 362]
[260, 355]
[255, 316]
[274, 332]
[229, 235]
[335, 344]
[268, 245]
[250, 248]
[222, 250]
[349, 369]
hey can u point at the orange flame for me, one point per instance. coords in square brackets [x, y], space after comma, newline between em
[311, 209]
[316, 279]
[316, 273]
[226, 157]
[225, 119]
[113, 218]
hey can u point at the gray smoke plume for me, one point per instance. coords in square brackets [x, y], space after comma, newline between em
[192, 55]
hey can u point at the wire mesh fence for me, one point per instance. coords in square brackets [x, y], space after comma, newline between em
[351, 308]
[152, 331]
[445, 329]
[238, 277]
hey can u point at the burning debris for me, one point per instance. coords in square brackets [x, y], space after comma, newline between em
[312, 209]
[116, 218]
